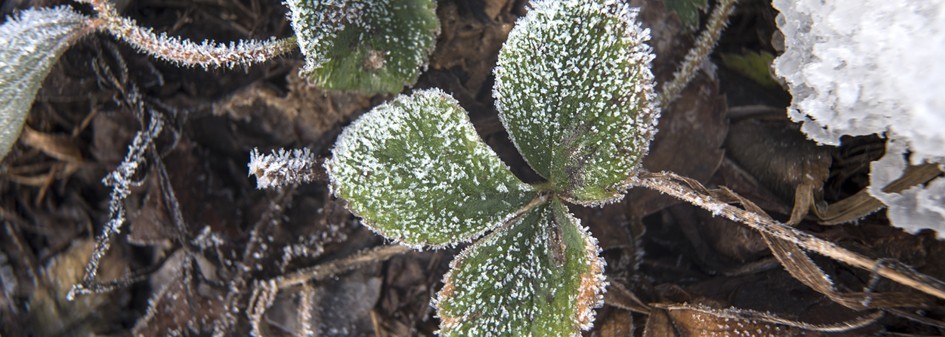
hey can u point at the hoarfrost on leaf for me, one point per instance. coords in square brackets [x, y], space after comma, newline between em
[416, 171]
[872, 67]
[371, 46]
[575, 91]
[31, 44]
[541, 276]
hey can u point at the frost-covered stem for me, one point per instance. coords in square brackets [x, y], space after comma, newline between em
[120, 180]
[703, 46]
[305, 312]
[282, 168]
[681, 188]
[184, 52]
[323, 271]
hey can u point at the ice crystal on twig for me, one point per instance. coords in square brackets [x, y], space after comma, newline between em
[32, 42]
[186, 52]
[700, 51]
[121, 181]
[282, 168]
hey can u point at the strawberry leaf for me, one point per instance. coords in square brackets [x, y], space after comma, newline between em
[540, 277]
[416, 171]
[574, 89]
[31, 44]
[361, 45]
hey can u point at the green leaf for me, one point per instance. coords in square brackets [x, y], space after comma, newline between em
[540, 277]
[418, 173]
[574, 89]
[754, 65]
[362, 45]
[31, 44]
[688, 11]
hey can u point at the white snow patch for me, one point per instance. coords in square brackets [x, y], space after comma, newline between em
[872, 67]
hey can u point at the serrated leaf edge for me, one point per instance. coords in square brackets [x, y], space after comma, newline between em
[628, 15]
[335, 187]
[67, 15]
[593, 283]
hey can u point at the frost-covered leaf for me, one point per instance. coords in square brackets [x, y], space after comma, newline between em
[688, 11]
[540, 277]
[30, 44]
[418, 173]
[362, 45]
[574, 89]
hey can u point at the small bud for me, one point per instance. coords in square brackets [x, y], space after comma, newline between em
[281, 168]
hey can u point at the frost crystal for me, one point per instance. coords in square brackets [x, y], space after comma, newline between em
[540, 277]
[575, 91]
[281, 168]
[872, 67]
[916, 208]
[31, 43]
[373, 46]
[417, 172]
[318, 22]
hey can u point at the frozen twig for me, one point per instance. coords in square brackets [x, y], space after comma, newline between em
[702, 48]
[694, 193]
[281, 168]
[184, 52]
[121, 181]
[320, 272]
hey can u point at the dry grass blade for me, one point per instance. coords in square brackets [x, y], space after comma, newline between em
[696, 194]
[622, 298]
[802, 268]
[320, 272]
[764, 319]
[862, 203]
[59, 147]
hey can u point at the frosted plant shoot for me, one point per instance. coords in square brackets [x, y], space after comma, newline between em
[574, 88]
[575, 91]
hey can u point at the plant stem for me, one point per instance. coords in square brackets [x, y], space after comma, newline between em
[703, 46]
[323, 271]
[184, 52]
[684, 189]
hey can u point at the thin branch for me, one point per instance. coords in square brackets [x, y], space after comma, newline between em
[323, 271]
[120, 180]
[696, 194]
[702, 48]
[757, 316]
[185, 52]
